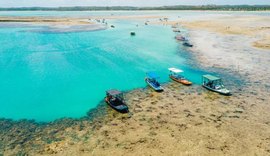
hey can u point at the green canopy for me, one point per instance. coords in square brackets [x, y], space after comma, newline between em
[211, 77]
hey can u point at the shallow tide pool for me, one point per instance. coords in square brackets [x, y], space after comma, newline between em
[46, 76]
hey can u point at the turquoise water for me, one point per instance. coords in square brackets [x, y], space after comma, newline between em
[183, 14]
[46, 76]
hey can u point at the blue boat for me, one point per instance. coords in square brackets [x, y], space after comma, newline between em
[151, 80]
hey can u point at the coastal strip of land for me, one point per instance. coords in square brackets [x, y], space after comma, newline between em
[46, 20]
[67, 24]
[186, 120]
[257, 28]
[69, 20]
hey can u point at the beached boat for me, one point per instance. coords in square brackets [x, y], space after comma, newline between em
[187, 44]
[175, 74]
[115, 99]
[176, 30]
[215, 84]
[132, 33]
[151, 80]
[180, 38]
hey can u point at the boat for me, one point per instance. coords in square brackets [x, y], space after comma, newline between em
[180, 38]
[151, 80]
[115, 99]
[175, 74]
[214, 84]
[176, 30]
[112, 26]
[132, 33]
[187, 44]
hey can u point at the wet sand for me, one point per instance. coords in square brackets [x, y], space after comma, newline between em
[68, 21]
[180, 121]
[66, 24]
[256, 28]
[47, 20]
[239, 44]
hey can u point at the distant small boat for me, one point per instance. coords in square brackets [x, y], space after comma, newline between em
[215, 84]
[175, 74]
[176, 30]
[112, 26]
[151, 80]
[132, 33]
[180, 38]
[187, 44]
[115, 99]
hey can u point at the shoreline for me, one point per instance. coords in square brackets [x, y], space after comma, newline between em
[216, 110]
[256, 28]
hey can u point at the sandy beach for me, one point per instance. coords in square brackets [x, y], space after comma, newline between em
[69, 21]
[180, 121]
[46, 20]
[239, 44]
[69, 24]
[254, 27]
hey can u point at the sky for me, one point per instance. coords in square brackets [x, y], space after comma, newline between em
[57, 3]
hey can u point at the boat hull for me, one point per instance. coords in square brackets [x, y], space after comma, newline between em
[184, 82]
[125, 110]
[218, 91]
[157, 89]
[187, 44]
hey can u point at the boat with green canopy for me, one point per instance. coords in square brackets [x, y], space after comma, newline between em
[215, 84]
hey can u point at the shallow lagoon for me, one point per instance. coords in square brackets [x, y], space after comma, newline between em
[46, 76]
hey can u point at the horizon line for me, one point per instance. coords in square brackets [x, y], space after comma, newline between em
[138, 6]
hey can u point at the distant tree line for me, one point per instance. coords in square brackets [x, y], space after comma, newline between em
[177, 7]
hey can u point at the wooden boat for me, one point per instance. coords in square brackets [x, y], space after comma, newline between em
[114, 98]
[132, 33]
[175, 74]
[214, 84]
[187, 44]
[151, 80]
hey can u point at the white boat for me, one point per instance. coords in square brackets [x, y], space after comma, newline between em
[215, 84]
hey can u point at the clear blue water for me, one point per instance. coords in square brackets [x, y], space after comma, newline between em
[46, 76]
[108, 13]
